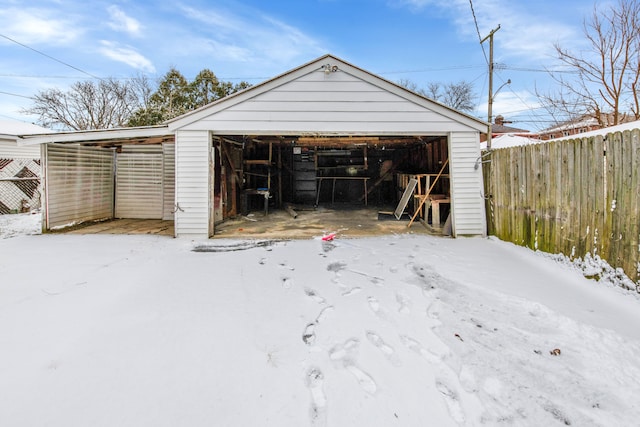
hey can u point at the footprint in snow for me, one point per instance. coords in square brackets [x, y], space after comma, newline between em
[286, 267]
[352, 291]
[386, 349]
[374, 305]
[318, 411]
[327, 246]
[337, 266]
[451, 399]
[416, 347]
[364, 380]
[323, 313]
[344, 355]
[556, 413]
[404, 301]
[287, 282]
[314, 296]
[309, 334]
[346, 351]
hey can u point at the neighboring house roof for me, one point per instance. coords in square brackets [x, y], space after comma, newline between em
[585, 122]
[236, 106]
[498, 127]
[509, 140]
[15, 128]
[603, 131]
[502, 129]
[580, 123]
[10, 131]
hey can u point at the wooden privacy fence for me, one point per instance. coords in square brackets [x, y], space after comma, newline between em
[574, 197]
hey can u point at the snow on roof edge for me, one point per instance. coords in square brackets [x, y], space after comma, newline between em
[604, 131]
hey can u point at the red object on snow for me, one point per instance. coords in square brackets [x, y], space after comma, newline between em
[329, 237]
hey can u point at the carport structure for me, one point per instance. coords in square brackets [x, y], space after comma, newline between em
[106, 174]
[324, 133]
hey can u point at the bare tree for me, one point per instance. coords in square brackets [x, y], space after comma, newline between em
[458, 96]
[434, 90]
[603, 79]
[413, 86]
[87, 105]
[110, 103]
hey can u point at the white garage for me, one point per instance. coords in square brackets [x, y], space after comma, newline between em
[325, 133]
[323, 120]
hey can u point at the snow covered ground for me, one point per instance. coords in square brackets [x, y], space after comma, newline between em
[404, 330]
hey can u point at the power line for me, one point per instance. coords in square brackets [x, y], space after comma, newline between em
[37, 76]
[475, 20]
[538, 70]
[426, 70]
[15, 94]
[13, 118]
[50, 57]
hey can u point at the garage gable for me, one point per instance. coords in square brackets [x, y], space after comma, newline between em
[327, 96]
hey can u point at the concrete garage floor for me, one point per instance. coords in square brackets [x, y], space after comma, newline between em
[346, 222]
[278, 224]
[124, 226]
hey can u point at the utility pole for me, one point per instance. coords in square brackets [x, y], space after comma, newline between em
[490, 106]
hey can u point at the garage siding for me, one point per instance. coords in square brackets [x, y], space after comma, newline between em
[169, 178]
[79, 184]
[338, 102]
[192, 184]
[466, 185]
[9, 149]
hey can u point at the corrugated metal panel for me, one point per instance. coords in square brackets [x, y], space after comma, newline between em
[192, 184]
[467, 207]
[169, 151]
[142, 148]
[335, 103]
[11, 150]
[79, 184]
[139, 191]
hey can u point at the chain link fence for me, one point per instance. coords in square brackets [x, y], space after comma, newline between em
[20, 185]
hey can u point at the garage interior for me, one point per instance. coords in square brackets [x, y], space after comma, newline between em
[261, 176]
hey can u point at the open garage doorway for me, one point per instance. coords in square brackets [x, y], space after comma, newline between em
[260, 175]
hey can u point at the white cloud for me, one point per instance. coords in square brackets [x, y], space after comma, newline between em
[248, 35]
[510, 104]
[227, 51]
[38, 26]
[127, 55]
[120, 21]
[220, 21]
[527, 29]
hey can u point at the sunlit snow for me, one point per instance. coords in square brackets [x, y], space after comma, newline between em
[411, 330]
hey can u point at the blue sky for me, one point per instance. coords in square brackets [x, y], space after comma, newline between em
[420, 40]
